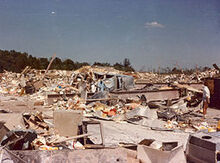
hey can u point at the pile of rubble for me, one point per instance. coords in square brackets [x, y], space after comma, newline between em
[180, 78]
[62, 104]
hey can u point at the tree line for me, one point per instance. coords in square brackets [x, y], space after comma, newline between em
[16, 61]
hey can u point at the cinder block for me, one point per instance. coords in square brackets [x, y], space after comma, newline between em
[202, 154]
[66, 122]
[203, 147]
[209, 141]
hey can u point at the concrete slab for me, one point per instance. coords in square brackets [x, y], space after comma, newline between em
[130, 133]
[76, 156]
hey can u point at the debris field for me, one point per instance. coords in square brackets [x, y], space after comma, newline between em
[99, 114]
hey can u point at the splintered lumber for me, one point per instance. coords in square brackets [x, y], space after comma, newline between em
[216, 67]
[70, 138]
[48, 67]
[27, 68]
[187, 87]
[101, 99]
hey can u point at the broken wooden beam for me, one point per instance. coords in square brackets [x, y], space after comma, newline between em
[70, 138]
[187, 87]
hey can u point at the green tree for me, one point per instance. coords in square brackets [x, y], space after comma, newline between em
[68, 64]
[43, 63]
[57, 64]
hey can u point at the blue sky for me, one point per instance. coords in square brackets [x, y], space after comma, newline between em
[150, 33]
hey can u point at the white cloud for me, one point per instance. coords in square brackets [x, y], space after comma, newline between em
[153, 24]
[53, 12]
